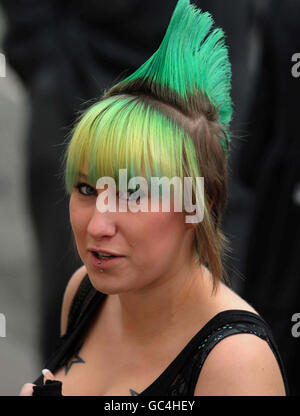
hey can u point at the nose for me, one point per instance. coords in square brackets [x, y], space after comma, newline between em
[101, 225]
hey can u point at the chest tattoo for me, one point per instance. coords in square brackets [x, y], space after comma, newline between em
[77, 360]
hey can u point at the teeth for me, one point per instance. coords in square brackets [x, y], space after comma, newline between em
[103, 256]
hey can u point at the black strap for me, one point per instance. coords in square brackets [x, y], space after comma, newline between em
[81, 300]
[219, 320]
[85, 304]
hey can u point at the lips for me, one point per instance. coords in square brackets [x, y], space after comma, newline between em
[108, 252]
[104, 263]
[102, 256]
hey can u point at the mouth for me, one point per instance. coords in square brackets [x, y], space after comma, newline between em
[103, 256]
[101, 261]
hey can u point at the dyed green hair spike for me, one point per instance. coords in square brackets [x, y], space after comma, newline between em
[192, 58]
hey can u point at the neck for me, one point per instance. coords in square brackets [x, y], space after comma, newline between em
[142, 316]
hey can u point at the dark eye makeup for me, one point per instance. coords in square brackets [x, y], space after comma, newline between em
[89, 189]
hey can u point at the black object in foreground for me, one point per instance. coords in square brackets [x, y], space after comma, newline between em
[50, 388]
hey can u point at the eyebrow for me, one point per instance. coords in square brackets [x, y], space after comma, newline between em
[82, 175]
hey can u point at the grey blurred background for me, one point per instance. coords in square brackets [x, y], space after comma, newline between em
[19, 355]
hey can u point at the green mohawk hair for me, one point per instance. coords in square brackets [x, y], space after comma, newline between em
[192, 58]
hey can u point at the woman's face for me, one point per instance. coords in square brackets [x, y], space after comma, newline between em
[155, 246]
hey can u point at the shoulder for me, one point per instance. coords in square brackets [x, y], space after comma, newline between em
[229, 299]
[240, 365]
[69, 294]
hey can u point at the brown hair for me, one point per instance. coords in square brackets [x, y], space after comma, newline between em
[199, 118]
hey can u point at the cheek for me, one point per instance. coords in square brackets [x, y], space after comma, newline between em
[78, 219]
[160, 233]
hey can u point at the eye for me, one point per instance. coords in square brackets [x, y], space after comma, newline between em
[128, 193]
[131, 192]
[85, 189]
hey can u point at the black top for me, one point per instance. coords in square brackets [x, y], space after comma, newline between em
[180, 377]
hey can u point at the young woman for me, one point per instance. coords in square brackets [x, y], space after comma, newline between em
[158, 317]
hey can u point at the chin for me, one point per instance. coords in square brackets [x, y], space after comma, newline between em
[108, 284]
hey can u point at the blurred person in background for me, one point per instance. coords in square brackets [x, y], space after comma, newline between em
[269, 165]
[67, 53]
